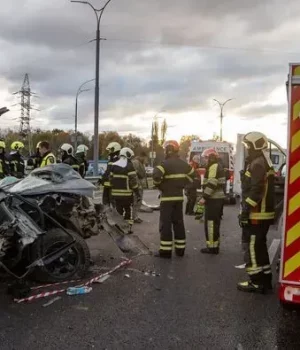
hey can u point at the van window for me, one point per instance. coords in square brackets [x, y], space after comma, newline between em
[224, 156]
[275, 159]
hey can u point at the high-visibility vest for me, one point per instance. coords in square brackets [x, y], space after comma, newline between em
[47, 160]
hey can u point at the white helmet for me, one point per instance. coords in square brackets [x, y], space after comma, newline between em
[196, 159]
[127, 152]
[82, 149]
[67, 148]
[256, 140]
[113, 147]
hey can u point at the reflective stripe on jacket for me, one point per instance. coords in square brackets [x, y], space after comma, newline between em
[123, 180]
[171, 177]
[214, 181]
[258, 190]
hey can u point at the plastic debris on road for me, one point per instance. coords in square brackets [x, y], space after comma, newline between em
[102, 279]
[50, 302]
[79, 290]
[242, 266]
[127, 276]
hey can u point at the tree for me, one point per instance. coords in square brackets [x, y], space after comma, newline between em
[185, 143]
[163, 132]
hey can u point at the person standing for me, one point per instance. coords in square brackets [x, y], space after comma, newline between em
[139, 166]
[123, 180]
[34, 160]
[16, 161]
[80, 156]
[257, 213]
[213, 200]
[4, 164]
[170, 178]
[47, 157]
[67, 156]
[191, 189]
[113, 149]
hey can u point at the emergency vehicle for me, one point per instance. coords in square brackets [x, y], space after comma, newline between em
[289, 279]
[225, 151]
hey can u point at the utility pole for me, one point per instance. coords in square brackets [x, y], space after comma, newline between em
[98, 14]
[25, 119]
[154, 121]
[221, 105]
[79, 91]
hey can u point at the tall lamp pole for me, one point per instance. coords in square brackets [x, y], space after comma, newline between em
[98, 14]
[221, 105]
[79, 91]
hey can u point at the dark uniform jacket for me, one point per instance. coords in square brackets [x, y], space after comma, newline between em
[258, 190]
[171, 177]
[34, 161]
[214, 181]
[72, 161]
[83, 166]
[47, 159]
[4, 166]
[105, 179]
[16, 165]
[123, 178]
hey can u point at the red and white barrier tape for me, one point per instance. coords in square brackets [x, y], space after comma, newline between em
[53, 284]
[58, 291]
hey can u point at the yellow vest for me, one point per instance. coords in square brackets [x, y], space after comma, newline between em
[45, 160]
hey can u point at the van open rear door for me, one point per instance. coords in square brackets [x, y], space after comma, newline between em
[289, 279]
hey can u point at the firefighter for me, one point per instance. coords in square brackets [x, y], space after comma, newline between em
[16, 161]
[124, 183]
[34, 160]
[257, 212]
[80, 156]
[170, 178]
[113, 149]
[191, 189]
[47, 157]
[67, 156]
[213, 200]
[4, 164]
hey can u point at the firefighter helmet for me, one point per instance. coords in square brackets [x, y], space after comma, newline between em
[82, 149]
[171, 146]
[66, 147]
[209, 152]
[255, 140]
[16, 145]
[2, 144]
[127, 152]
[113, 147]
[38, 144]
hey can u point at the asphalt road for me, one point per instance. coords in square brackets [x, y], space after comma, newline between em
[192, 304]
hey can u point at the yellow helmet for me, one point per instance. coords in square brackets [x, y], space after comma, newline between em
[2, 144]
[15, 146]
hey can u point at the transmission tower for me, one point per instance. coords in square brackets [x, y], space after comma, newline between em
[25, 129]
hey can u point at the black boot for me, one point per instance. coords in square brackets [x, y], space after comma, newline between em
[179, 252]
[250, 287]
[164, 255]
[210, 251]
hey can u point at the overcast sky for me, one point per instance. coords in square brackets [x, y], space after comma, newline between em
[160, 55]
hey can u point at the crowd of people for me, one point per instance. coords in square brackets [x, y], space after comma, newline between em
[13, 163]
[174, 176]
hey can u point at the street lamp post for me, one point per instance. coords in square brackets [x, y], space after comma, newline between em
[221, 115]
[79, 91]
[98, 14]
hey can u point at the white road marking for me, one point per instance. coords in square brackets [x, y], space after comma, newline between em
[273, 249]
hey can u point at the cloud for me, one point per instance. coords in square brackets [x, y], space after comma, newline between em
[171, 55]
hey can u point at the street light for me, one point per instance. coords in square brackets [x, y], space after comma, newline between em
[79, 91]
[152, 137]
[98, 14]
[221, 115]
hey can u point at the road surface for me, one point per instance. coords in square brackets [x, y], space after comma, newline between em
[192, 304]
